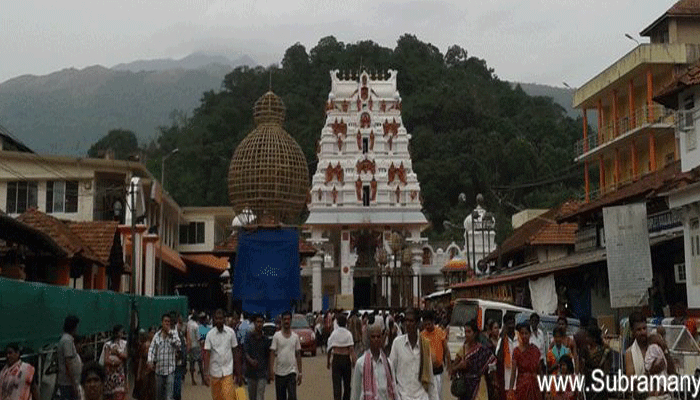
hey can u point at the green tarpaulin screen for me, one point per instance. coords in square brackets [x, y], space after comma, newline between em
[32, 314]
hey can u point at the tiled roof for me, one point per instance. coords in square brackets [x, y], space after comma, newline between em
[668, 96]
[71, 243]
[647, 186]
[15, 231]
[230, 246]
[682, 8]
[98, 235]
[555, 234]
[542, 230]
[219, 264]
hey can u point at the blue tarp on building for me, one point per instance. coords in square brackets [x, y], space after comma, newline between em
[266, 274]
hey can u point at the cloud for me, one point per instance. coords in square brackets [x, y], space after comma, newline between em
[548, 41]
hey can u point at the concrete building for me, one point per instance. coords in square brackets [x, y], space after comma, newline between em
[363, 191]
[77, 191]
[682, 95]
[635, 135]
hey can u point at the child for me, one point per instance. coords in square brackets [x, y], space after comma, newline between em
[566, 367]
[558, 350]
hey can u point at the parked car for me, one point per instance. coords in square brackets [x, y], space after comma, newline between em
[482, 310]
[301, 327]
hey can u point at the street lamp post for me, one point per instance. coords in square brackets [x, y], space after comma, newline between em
[161, 230]
[381, 258]
[396, 244]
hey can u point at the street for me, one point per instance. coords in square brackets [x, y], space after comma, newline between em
[316, 383]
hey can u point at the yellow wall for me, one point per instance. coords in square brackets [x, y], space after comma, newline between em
[665, 144]
[687, 31]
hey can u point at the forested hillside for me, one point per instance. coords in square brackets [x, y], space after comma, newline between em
[472, 132]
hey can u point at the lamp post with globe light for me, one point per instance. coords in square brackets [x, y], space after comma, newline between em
[396, 244]
[382, 259]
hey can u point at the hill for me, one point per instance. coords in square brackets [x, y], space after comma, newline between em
[67, 111]
[561, 95]
[196, 60]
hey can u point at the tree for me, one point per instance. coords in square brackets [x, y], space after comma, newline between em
[122, 142]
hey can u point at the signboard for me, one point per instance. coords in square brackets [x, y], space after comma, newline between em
[344, 301]
[628, 253]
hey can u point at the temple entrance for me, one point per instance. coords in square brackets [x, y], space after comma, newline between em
[362, 293]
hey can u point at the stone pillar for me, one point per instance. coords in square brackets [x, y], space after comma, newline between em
[149, 277]
[138, 262]
[316, 283]
[345, 266]
[417, 264]
[388, 294]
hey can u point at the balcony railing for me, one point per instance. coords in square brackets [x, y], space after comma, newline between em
[640, 118]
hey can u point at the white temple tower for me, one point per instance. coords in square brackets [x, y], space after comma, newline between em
[364, 189]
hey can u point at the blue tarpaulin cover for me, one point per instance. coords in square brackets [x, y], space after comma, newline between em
[266, 273]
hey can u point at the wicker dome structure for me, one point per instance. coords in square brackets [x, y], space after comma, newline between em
[268, 174]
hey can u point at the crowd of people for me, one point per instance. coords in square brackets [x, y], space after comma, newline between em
[373, 356]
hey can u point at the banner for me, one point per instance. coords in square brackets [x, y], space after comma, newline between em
[628, 254]
[33, 313]
[267, 265]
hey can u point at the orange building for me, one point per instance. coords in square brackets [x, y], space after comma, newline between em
[635, 136]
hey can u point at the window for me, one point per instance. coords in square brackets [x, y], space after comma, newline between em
[680, 272]
[62, 196]
[493, 315]
[365, 196]
[365, 145]
[670, 158]
[192, 233]
[694, 225]
[21, 195]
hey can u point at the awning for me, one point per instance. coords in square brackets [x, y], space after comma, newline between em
[218, 264]
[563, 264]
[531, 271]
[171, 257]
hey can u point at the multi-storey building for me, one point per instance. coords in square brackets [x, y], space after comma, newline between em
[635, 135]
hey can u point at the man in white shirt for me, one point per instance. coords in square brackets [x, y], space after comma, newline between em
[377, 378]
[194, 350]
[219, 363]
[341, 350]
[537, 338]
[285, 358]
[413, 370]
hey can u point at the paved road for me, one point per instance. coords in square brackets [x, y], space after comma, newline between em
[316, 384]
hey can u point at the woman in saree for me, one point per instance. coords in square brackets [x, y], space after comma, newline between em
[17, 379]
[473, 362]
[526, 366]
[597, 356]
[146, 377]
[113, 359]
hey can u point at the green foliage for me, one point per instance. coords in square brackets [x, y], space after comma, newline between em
[471, 132]
[122, 142]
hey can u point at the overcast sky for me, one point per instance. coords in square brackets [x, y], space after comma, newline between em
[542, 41]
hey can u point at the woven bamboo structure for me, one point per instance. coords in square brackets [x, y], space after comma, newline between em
[268, 174]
